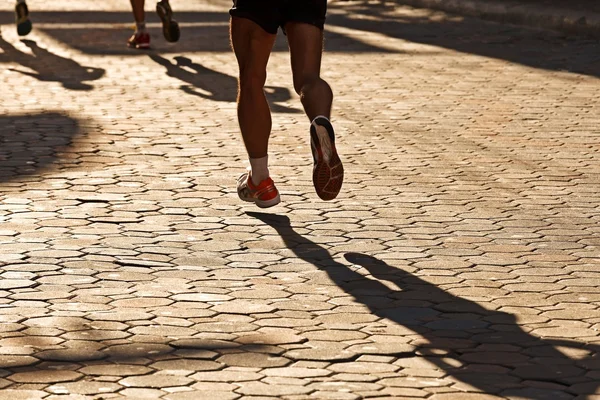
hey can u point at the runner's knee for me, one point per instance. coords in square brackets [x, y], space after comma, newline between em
[252, 78]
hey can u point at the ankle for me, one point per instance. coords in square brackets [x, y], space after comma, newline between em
[140, 27]
[259, 169]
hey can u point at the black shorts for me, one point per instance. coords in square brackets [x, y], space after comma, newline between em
[272, 14]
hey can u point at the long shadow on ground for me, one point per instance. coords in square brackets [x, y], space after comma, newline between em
[30, 143]
[536, 48]
[49, 67]
[491, 352]
[210, 84]
[105, 32]
[208, 31]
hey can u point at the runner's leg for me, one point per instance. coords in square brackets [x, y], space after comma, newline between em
[252, 47]
[141, 37]
[306, 47]
[137, 6]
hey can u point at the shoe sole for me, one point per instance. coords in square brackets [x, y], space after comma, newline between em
[24, 25]
[170, 28]
[139, 46]
[262, 203]
[267, 203]
[328, 171]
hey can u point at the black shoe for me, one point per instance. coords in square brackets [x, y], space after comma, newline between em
[170, 27]
[22, 19]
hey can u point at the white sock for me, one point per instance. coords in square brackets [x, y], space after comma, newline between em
[319, 116]
[259, 169]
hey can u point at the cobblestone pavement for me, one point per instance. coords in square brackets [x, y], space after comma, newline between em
[460, 262]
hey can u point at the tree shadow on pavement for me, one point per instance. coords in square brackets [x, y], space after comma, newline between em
[88, 356]
[214, 85]
[483, 348]
[30, 143]
[536, 48]
[49, 67]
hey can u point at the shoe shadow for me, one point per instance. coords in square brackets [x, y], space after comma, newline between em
[483, 348]
[213, 85]
[50, 67]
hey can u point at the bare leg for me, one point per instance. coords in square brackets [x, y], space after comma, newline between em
[306, 46]
[252, 47]
[138, 10]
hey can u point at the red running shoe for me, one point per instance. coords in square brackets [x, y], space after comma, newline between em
[264, 195]
[139, 41]
[328, 171]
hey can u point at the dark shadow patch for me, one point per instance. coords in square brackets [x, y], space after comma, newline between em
[49, 67]
[214, 85]
[491, 352]
[532, 47]
[200, 31]
[30, 144]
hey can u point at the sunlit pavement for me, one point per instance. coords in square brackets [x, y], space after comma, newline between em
[460, 261]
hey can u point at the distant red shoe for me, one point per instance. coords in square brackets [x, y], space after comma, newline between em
[264, 195]
[139, 41]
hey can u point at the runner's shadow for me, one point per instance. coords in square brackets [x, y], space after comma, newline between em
[483, 348]
[214, 85]
[50, 67]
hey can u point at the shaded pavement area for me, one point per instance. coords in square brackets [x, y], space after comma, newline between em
[459, 262]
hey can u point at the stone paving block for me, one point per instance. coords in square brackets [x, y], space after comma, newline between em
[255, 360]
[297, 372]
[202, 395]
[154, 381]
[84, 388]
[321, 351]
[47, 376]
[258, 388]
[17, 394]
[137, 393]
[71, 355]
[243, 307]
[114, 369]
[226, 375]
[185, 365]
[399, 349]
[466, 396]
[13, 361]
[320, 394]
